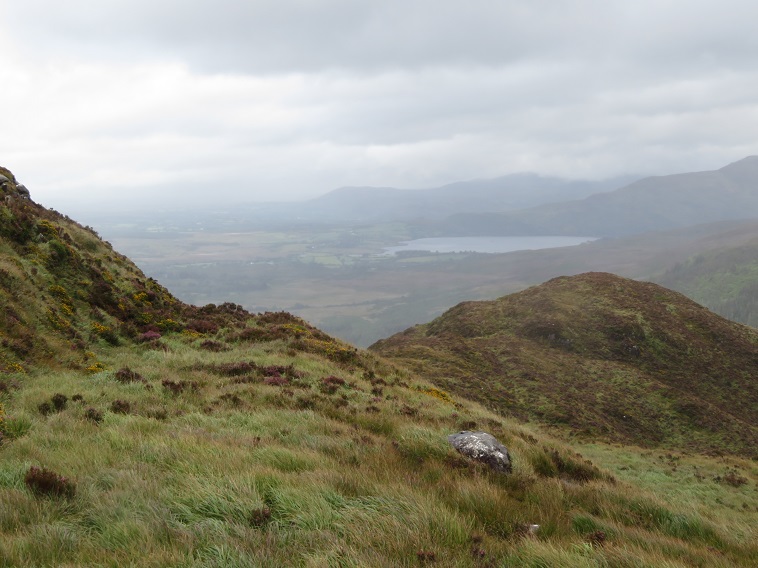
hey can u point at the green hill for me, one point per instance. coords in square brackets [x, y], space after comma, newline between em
[605, 356]
[136, 430]
[725, 280]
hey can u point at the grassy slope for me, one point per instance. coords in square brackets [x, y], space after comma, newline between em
[724, 280]
[243, 473]
[238, 444]
[608, 357]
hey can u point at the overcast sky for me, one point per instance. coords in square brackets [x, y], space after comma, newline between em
[264, 100]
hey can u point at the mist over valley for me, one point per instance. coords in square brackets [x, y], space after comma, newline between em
[336, 273]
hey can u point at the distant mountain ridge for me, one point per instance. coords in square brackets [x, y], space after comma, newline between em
[504, 193]
[602, 355]
[649, 204]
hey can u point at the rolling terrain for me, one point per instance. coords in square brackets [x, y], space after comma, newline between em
[141, 431]
[603, 356]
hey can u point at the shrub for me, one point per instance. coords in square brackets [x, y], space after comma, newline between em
[596, 538]
[148, 336]
[436, 393]
[259, 334]
[93, 415]
[157, 414]
[14, 427]
[121, 406]
[44, 482]
[260, 517]
[276, 381]
[732, 478]
[105, 332]
[169, 325]
[215, 346]
[332, 350]
[330, 384]
[279, 318]
[59, 401]
[177, 387]
[95, 368]
[285, 370]
[203, 326]
[126, 375]
[551, 463]
[234, 369]
[426, 556]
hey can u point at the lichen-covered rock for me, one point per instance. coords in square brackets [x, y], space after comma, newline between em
[482, 447]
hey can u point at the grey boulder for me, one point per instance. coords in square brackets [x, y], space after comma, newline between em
[482, 447]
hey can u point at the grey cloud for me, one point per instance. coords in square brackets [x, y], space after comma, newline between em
[295, 97]
[300, 35]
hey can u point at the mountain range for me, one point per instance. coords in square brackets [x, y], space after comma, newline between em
[650, 204]
[516, 191]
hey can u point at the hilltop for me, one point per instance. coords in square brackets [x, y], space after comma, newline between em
[603, 356]
[136, 430]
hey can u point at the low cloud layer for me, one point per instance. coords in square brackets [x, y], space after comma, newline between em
[283, 99]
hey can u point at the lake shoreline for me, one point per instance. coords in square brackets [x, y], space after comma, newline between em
[487, 245]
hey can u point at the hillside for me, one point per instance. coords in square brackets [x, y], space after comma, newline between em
[136, 430]
[602, 356]
[724, 280]
[650, 204]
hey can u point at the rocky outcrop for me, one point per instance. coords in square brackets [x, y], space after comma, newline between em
[483, 447]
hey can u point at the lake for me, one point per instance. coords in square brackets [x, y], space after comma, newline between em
[486, 244]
